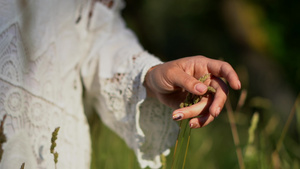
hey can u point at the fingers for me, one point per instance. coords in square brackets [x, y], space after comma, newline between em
[201, 121]
[225, 70]
[188, 82]
[191, 111]
[219, 97]
[208, 108]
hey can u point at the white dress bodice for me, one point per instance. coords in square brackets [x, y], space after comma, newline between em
[54, 54]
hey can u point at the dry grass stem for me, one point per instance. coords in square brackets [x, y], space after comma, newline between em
[242, 100]
[287, 124]
[53, 145]
[163, 161]
[235, 134]
[252, 128]
[2, 136]
[23, 166]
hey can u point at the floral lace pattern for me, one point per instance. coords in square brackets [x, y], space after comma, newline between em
[43, 73]
[27, 98]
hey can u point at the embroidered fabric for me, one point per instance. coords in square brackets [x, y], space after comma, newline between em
[50, 55]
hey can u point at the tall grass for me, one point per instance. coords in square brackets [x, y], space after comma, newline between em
[108, 150]
[184, 135]
[265, 141]
[182, 145]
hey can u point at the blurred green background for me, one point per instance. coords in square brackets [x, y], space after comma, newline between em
[261, 40]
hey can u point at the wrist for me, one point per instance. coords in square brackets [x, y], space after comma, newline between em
[148, 83]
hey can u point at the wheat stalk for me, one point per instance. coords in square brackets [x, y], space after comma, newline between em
[184, 135]
[53, 145]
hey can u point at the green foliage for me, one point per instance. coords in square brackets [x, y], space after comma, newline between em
[109, 151]
[182, 145]
[174, 29]
[267, 33]
[212, 146]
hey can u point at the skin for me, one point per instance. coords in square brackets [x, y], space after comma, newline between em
[170, 82]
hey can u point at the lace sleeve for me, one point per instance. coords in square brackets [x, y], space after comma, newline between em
[113, 77]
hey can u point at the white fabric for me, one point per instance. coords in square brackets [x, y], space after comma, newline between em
[51, 54]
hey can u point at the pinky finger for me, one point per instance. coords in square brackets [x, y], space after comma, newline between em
[202, 121]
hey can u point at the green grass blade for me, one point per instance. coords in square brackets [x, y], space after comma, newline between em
[187, 147]
[176, 145]
[183, 140]
[181, 147]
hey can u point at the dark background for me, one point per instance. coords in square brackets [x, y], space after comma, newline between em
[259, 37]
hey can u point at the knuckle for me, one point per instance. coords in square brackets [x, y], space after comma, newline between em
[188, 83]
[186, 80]
[226, 67]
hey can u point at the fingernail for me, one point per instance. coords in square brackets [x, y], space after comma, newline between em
[201, 87]
[177, 116]
[191, 125]
[239, 85]
[218, 110]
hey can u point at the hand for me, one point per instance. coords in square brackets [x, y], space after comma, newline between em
[170, 82]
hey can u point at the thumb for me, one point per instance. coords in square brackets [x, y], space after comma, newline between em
[189, 83]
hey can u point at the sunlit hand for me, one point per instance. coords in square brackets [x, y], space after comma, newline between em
[170, 82]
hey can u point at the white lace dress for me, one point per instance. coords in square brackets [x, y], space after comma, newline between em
[52, 52]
